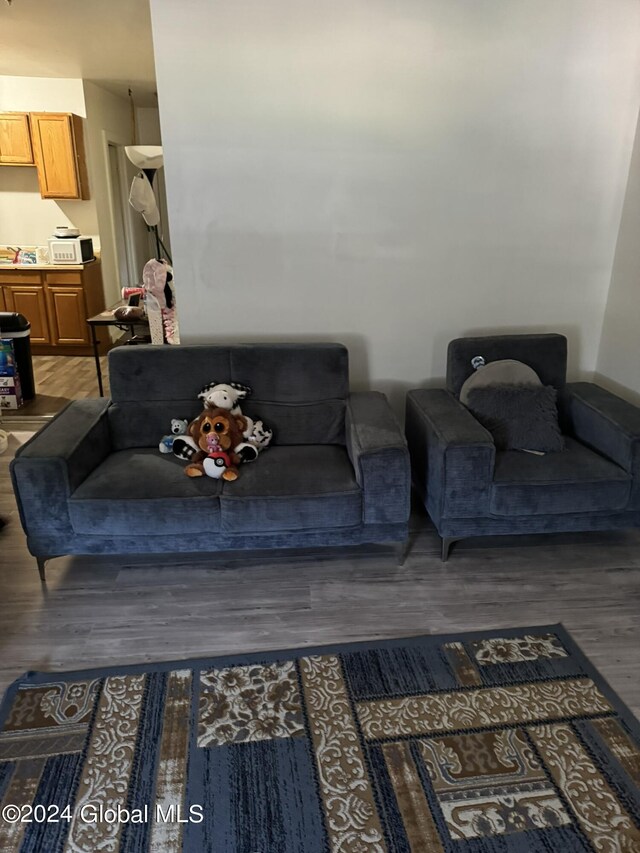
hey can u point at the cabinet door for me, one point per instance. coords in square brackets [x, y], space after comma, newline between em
[59, 156]
[67, 315]
[30, 301]
[3, 305]
[15, 139]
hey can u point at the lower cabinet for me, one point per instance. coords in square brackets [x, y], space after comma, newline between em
[57, 302]
[68, 315]
[29, 300]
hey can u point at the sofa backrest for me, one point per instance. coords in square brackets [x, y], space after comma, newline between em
[299, 390]
[546, 354]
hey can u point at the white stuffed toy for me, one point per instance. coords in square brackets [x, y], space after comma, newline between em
[217, 395]
[178, 427]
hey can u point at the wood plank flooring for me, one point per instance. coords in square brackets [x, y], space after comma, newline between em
[59, 379]
[99, 611]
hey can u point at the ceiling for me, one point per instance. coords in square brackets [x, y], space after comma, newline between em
[106, 41]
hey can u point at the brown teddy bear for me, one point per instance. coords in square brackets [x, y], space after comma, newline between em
[216, 432]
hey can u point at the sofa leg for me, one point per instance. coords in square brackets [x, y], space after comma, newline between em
[402, 551]
[41, 561]
[446, 547]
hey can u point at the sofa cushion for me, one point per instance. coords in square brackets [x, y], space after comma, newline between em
[299, 390]
[141, 490]
[293, 488]
[575, 480]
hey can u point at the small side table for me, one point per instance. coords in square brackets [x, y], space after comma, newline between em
[106, 318]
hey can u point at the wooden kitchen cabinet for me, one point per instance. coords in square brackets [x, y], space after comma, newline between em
[15, 140]
[29, 299]
[67, 315]
[58, 149]
[56, 300]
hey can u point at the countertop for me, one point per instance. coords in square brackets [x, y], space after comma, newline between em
[51, 267]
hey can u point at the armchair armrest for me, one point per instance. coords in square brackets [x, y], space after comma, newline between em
[452, 455]
[608, 424]
[49, 467]
[378, 452]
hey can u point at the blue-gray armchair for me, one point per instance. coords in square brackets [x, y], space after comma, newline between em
[337, 473]
[471, 489]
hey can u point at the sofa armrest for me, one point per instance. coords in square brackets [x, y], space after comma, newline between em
[49, 467]
[452, 455]
[608, 424]
[378, 452]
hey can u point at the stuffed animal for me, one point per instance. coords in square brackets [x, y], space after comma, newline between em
[217, 461]
[256, 436]
[217, 395]
[260, 435]
[228, 429]
[178, 427]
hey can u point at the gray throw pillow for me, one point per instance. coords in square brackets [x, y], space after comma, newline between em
[519, 417]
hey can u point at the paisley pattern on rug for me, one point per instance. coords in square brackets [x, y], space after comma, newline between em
[248, 703]
[350, 812]
[517, 649]
[496, 741]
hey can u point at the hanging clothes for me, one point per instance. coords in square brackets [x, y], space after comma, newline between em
[157, 278]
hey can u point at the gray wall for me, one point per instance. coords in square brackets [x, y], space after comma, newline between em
[619, 355]
[393, 173]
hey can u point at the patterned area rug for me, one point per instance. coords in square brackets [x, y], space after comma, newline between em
[503, 741]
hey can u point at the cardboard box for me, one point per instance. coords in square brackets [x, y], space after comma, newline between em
[10, 392]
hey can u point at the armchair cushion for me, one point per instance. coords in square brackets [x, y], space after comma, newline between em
[380, 458]
[293, 488]
[519, 417]
[576, 480]
[140, 491]
[546, 354]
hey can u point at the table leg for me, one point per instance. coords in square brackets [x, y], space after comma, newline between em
[96, 354]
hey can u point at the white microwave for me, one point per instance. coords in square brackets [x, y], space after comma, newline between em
[70, 250]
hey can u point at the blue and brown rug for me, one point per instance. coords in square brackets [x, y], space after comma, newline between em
[497, 741]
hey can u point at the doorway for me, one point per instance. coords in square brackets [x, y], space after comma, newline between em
[122, 244]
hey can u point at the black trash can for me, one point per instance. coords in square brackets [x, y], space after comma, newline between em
[18, 329]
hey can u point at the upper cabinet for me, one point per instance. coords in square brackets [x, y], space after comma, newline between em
[15, 140]
[58, 149]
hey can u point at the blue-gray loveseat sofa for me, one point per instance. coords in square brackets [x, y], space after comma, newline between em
[337, 473]
[471, 489]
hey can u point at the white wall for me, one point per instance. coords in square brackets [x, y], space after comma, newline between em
[394, 174]
[42, 94]
[26, 219]
[109, 120]
[148, 122]
[619, 355]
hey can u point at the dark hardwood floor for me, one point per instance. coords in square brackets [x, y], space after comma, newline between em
[59, 379]
[98, 611]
